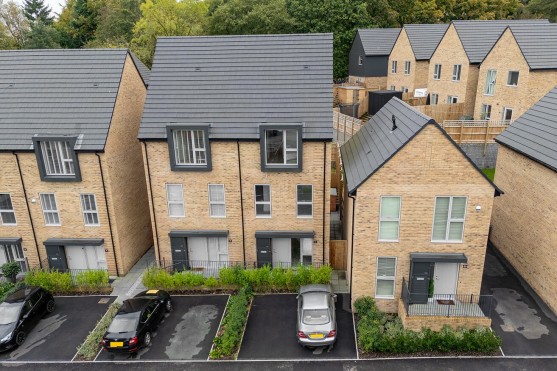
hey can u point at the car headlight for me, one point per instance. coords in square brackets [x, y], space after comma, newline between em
[7, 337]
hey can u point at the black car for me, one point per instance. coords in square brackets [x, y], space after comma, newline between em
[133, 325]
[20, 312]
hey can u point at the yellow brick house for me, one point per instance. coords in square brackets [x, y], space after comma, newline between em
[72, 189]
[236, 137]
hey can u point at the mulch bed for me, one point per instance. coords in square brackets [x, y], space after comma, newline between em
[428, 355]
[84, 292]
[445, 301]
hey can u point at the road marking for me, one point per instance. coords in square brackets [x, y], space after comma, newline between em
[218, 328]
[98, 354]
[355, 336]
[503, 353]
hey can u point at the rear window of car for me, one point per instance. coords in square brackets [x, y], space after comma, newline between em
[315, 317]
[124, 323]
[9, 312]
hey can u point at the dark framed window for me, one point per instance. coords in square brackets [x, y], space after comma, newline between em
[281, 147]
[262, 201]
[57, 159]
[189, 148]
[304, 200]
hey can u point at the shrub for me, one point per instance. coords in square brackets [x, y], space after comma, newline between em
[10, 270]
[92, 279]
[6, 289]
[53, 281]
[92, 344]
[211, 282]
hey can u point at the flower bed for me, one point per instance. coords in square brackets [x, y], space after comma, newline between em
[92, 344]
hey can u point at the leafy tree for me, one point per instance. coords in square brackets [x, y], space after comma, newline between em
[42, 36]
[166, 18]
[240, 17]
[543, 9]
[381, 14]
[36, 10]
[115, 23]
[14, 22]
[77, 23]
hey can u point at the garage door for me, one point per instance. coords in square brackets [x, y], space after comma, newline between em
[85, 257]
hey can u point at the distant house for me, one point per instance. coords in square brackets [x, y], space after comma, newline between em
[72, 187]
[236, 138]
[369, 56]
[518, 71]
[416, 217]
[409, 59]
[524, 221]
[454, 66]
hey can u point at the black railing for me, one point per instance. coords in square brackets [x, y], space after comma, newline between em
[447, 305]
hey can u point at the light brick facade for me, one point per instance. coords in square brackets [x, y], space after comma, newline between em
[417, 77]
[524, 221]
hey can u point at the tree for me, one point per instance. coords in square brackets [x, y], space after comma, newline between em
[6, 40]
[381, 14]
[115, 23]
[78, 22]
[543, 9]
[166, 18]
[14, 22]
[36, 10]
[240, 17]
[42, 36]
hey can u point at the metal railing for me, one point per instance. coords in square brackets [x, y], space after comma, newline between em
[447, 305]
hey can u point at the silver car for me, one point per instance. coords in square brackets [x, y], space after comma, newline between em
[317, 324]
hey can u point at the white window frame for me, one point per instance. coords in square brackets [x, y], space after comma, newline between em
[211, 202]
[188, 134]
[457, 71]
[484, 115]
[382, 219]
[15, 248]
[285, 149]
[394, 65]
[92, 212]
[393, 88]
[61, 155]
[489, 88]
[437, 71]
[404, 89]
[505, 109]
[407, 67]
[168, 202]
[2, 211]
[360, 60]
[298, 202]
[50, 211]
[434, 99]
[385, 278]
[449, 220]
[452, 99]
[509, 79]
[270, 202]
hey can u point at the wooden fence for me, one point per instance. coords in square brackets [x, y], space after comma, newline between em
[345, 126]
[474, 131]
[338, 251]
[442, 112]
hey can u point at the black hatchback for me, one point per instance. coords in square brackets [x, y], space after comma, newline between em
[133, 326]
[20, 312]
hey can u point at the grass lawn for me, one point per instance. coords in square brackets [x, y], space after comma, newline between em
[490, 173]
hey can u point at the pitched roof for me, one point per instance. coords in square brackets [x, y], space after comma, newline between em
[538, 44]
[378, 41]
[478, 36]
[143, 70]
[534, 134]
[58, 92]
[376, 143]
[235, 83]
[424, 38]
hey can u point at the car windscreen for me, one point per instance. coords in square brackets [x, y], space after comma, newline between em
[9, 312]
[315, 317]
[125, 322]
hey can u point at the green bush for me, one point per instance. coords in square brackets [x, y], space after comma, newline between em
[384, 333]
[6, 289]
[10, 270]
[53, 281]
[92, 344]
[92, 279]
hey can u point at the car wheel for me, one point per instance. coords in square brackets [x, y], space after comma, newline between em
[148, 340]
[168, 306]
[50, 306]
[20, 338]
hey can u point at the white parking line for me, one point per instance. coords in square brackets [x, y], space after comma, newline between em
[218, 328]
[355, 336]
[98, 354]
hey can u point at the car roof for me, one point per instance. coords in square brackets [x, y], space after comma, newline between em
[22, 294]
[315, 288]
[315, 300]
[134, 305]
[148, 294]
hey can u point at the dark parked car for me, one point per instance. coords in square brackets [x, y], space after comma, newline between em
[132, 327]
[20, 312]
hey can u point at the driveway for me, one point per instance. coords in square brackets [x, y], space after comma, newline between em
[271, 331]
[186, 333]
[517, 317]
[56, 337]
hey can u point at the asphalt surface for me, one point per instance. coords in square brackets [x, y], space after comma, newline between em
[519, 317]
[271, 331]
[57, 336]
[186, 333]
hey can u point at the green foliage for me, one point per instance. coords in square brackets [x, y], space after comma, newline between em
[36, 10]
[542, 9]
[92, 344]
[10, 269]
[42, 36]
[384, 333]
[115, 23]
[5, 289]
[233, 324]
[490, 173]
[53, 281]
[92, 279]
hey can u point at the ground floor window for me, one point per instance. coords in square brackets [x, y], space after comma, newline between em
[13, 253]
[385, 278]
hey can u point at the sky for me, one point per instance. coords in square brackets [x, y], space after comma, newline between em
[55, 5]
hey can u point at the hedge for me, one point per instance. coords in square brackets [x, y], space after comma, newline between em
[62, 282]
[92, 344]
[379, 332]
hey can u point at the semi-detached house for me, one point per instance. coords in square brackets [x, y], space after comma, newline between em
[236, 138]
[72, 188]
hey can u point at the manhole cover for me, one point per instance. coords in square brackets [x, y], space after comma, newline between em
[104, 300]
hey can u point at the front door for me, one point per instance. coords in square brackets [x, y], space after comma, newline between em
[264, 252]
[419, 282]
[56, 257]
[446, 278]
[179, 253]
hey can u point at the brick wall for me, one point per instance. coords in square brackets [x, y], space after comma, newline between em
[402, 51]
[525, 237]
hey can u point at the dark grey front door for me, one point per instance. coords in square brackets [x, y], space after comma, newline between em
[56, 257]
[264, 252]
[419, 282]
[179, 253]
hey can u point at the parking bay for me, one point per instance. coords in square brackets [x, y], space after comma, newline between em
[271, 331]
[186, 333]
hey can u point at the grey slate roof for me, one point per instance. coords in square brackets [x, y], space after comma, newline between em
[378, 41]
[143, 70]
[424, 38]
[534, 134]
[478, 36]
[374, 144]
[235, 83]
[58, 92]
[538, 44]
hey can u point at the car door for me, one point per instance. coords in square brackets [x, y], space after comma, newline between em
[157, 311]
[35, 312]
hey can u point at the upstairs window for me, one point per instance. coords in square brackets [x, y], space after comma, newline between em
[281, 148]
[7, 213]
[393, 66]
[437, 72]
[304, 201]
[407, 67]
[189, 148]
[263, 201]
[90, 211]
[175, 200]
[512, 79]
[217, 202]
[448, 220]
[389, 218]
[457, 68]
[50, 209]
[57, 159]
[360, 60]
[490, 80]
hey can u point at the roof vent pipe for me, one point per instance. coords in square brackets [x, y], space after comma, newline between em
[394, 123]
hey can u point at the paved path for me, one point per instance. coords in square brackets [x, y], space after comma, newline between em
[130, 285]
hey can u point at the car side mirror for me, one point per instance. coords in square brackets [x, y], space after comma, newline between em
[334, 297]
[297, 297]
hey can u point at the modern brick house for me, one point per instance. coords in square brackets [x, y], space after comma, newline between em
[518, 71]
[236, 139]
[72, 187]
[409, 59]
[368, 61]
[417, 211]
[454, 66]
[525, 218]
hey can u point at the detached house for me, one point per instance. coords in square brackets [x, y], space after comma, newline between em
[236, 139]
[409, 59]
[525, 218]
[72, 186]
[454, 66]
[368, 61]
[417, 217]
[518, 71]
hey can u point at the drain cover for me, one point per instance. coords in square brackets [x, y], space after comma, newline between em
[104, 300]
